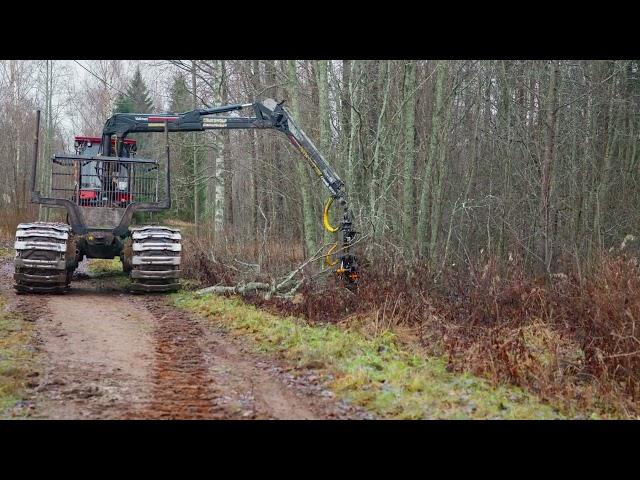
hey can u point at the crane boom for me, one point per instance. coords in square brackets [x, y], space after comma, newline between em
[267, 114]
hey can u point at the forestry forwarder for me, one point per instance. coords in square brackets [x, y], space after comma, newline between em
[103, 185]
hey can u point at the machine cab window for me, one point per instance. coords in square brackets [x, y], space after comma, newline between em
[100, 182]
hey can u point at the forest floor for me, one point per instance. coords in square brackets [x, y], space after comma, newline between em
[99, 352]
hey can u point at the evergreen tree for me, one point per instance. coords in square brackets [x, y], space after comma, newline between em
[180, 97]
[137, 99]
[180, 100]
[123, 104]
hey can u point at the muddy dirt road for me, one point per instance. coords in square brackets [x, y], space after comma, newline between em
[106, 354]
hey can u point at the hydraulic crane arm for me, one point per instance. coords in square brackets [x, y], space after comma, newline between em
[267, 114]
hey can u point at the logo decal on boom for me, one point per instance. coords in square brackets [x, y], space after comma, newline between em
[214, 122]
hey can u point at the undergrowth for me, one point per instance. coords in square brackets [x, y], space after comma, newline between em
[569, 339]
[373, 372]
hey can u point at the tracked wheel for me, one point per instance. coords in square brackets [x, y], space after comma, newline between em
[155, 261]
[41, 263]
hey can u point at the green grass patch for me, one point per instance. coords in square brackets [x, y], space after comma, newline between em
[16, 358]
[190, 284]
[6, 252]
[375, 373]
[108, 274]
[104, 267]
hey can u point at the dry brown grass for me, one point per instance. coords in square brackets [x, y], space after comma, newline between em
[10, 218]
[228, 262]
[570, 340]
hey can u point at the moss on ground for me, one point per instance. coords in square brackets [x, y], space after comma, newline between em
[16, 358]
[374, 373]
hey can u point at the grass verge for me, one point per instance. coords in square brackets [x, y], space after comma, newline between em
[16, 358]
[374, 373]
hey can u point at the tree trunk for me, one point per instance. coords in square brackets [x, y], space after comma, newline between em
[424, 212]
[610, 138]
[545, 241]
[408, 199]
[375, 188]
[324, 115]
[441, 173]
[226, 154]
[303, 175]
[196, 190]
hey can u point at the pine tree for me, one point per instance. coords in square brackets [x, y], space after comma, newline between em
[123, 104]
[180, 97]
[137, 99]
[181, 100]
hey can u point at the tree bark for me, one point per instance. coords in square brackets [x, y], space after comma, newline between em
[424, 212]
[303, 175]
[196, 190]
[545, 241]
[408, 200]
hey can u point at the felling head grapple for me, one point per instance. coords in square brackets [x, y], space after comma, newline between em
[103, 184]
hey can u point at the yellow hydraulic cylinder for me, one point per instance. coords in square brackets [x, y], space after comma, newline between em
[325, 217]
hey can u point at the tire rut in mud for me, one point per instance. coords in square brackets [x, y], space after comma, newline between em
[181, 387]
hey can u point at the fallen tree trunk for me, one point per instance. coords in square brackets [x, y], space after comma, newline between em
[285, 288]
[254, 287]
[241, 289]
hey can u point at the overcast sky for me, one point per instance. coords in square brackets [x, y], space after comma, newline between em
[154, 73]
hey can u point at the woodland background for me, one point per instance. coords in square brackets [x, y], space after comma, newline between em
[444, 161]
[497, 200]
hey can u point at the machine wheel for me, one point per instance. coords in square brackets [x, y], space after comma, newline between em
[155, 261]
[42, 263]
